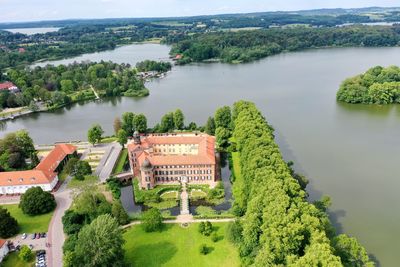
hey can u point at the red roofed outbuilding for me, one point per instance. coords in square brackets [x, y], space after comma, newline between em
[45, 175]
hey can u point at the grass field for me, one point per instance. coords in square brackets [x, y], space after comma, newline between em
[29, 224]
[12, 260]
[177, 246]
[89, 179]
[123, 157]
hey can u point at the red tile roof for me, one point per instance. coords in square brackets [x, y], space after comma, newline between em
[206, 152]
[2, 242]
[51, 161]
[44, 172]
[6, 85]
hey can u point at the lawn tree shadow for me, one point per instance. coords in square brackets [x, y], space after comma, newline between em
[161, 253]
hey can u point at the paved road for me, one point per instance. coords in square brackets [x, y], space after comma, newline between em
[185, 219]
[64, 196]
[56, 235]
[107, 163]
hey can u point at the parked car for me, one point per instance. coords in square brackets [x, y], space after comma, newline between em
[37, 235]
[34, 236]
[24, 236]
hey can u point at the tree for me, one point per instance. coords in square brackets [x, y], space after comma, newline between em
[234, 232]
[82, 168]
[140, 123]
[95, 133]
[127, 123]
[91, 203]
[73, 222]
[8, 225]
[179, 119]
[351, 252]
[104, 238]
[119, 213]
[33, 106]
[25, 253]
[167, 123]
[122, 137]
[205, 228]
[117, 125]
[210, 126]
[35, 201]
[222, 117]
[152, 220]
[67, 86]
[222, 136]
[70, 167]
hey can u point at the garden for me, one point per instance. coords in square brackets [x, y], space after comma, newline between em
[175, 245]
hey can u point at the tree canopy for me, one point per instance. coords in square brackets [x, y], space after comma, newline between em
[95, 134]
[376, 86]
[35, 201]
[99, 244]
[8, 224]
[279, 226]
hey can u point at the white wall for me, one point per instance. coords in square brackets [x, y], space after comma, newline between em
[3, 252]
[20, 189]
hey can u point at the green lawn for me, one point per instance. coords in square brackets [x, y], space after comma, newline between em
[122, 159]
[89, 179]
[236, 165]
[177, 246]
[29, 224]
[12, 260]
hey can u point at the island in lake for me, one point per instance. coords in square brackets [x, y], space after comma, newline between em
[376, 86]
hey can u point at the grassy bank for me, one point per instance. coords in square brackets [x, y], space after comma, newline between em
[122, 159]
[178, 246]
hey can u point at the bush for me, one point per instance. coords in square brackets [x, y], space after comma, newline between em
[234, 232]
[114, 185]
[203, 249]
[8, 225]
[204, 211]
[205, 228]
[35, 201]
[119, 213]
[25, 254]
[152, 220]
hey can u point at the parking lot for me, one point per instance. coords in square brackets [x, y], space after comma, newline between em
[37, 243]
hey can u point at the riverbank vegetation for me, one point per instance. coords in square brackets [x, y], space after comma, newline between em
[246, 46]
[376, 86]
[64, 84]
[151, 65]
[279, 226]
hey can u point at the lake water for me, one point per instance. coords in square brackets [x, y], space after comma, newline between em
[31, 31]
[350, 152]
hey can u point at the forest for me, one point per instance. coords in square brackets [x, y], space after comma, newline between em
[376, 86]
[246, 46]
[279, 226]
[63, 84]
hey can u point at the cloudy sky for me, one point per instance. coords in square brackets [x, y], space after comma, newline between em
[31, 10]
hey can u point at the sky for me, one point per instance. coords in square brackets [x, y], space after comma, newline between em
[34, 10]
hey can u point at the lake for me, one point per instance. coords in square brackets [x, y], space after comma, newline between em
[31, 31]
[349, 152]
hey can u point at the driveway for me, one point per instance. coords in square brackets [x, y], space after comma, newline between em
[56, 235]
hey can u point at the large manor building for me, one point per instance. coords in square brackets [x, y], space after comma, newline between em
[45, 175]
[171, 158]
